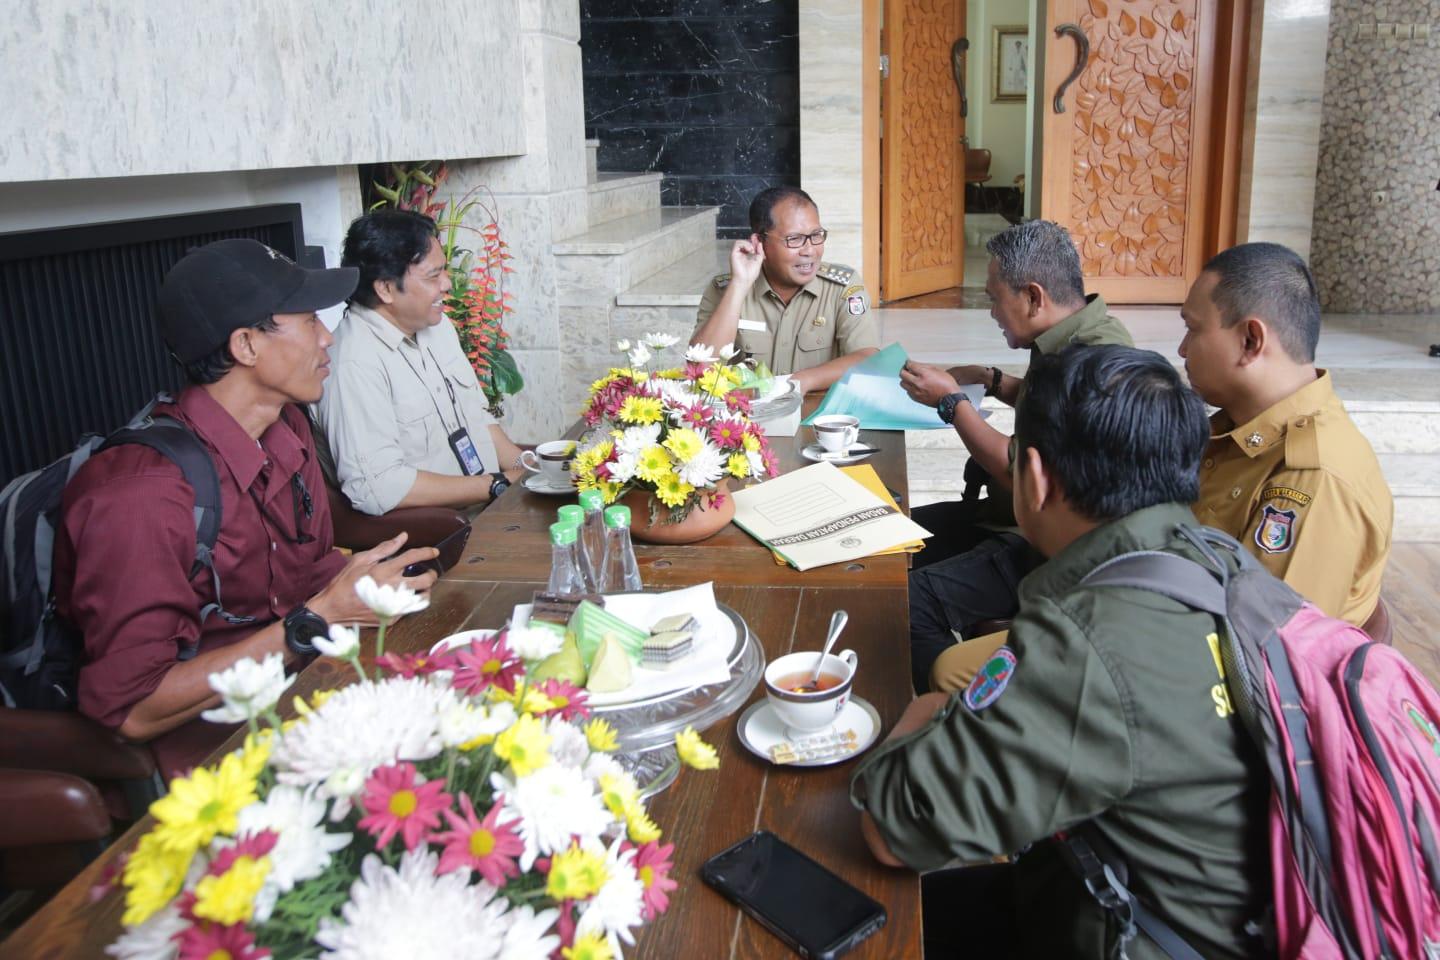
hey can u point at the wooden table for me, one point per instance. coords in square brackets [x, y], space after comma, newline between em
[703, 813]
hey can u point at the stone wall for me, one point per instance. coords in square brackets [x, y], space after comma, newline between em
[1377, 210]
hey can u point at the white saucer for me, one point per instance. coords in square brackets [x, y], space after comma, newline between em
[760, 729]
[855, 454]
[538, 484]
[462, 638]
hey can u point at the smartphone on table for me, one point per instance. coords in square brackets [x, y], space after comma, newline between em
[815, 912]
[450, 550]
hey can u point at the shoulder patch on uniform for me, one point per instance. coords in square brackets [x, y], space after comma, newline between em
[836, 272]
[1286, 493]
[722, 281]
[1276, 533]
[991, 680]
[856, 302]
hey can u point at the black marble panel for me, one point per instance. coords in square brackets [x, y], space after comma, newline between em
[703, 91]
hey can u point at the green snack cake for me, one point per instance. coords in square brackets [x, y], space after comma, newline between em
[591, 624]
[610, 670]
[565, 664]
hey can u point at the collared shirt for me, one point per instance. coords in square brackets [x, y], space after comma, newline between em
[1300, 487]
[1103, 706]
[827, 318]
[387, 411]
[127, 541]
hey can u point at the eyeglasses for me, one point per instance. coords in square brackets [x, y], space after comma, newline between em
[797, 240]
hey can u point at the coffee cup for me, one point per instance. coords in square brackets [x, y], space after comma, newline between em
[836, 433]
[807, 711]
[551, 460]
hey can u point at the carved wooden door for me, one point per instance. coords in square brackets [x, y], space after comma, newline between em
[922, 192]
[1128, 143]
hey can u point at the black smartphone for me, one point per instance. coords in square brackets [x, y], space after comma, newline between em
[815, 912]
[450, 550]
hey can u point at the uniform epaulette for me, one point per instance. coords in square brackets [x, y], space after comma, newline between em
[722, 281]
[836, 272]
[1302, 444]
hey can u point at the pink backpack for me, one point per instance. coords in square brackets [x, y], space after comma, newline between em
[1348, 729]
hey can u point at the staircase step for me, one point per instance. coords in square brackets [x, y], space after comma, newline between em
[682, 283]
[613, 256]
[615, 195]
[592, 166]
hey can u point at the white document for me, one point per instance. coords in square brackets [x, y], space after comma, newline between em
[817, 516]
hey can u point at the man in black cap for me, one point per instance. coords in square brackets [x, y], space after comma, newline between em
[240, 318]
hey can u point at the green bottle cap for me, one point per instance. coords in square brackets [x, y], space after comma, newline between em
[564, 534]
[571, 513]
[592, 500]
[617, 516]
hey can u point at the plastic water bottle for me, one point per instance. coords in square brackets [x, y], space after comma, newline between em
[620, 571]
[564, 560]
[574, 514]
[592, 531]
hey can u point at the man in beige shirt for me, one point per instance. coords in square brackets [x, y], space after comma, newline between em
[781, 304]
[403, 414]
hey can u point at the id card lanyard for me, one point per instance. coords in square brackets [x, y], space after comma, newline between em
[459, 440]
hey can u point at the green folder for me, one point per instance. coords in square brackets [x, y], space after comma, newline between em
[871, 392]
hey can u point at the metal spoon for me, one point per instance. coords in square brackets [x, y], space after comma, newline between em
[837, 623]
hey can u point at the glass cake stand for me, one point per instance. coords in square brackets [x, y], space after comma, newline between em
[645, 729]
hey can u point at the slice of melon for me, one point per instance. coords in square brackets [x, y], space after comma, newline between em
[610, 670]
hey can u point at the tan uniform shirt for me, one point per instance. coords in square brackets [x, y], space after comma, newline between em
[387, 411]
[827, 318]
[1300, 487]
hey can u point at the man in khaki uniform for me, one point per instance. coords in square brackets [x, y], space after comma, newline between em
[782, 304]
[1287, 472]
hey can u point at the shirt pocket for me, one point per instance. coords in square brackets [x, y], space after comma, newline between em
[759, 344]
[814, 344]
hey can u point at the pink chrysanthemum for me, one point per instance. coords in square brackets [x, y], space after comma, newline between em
[570, 701]
[697, 416]
[486, 662]
[252, 845]
[694, 371]
[395, 801]
[409, 665]
[737, 402]
[727, 434]
[206, 940]
[653, 865]
[486, 846]
[772, 465]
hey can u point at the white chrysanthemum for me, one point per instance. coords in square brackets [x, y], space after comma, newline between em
[342, 642]
[248, 689]
[460, 919]
[757, 463]
[598, 764]
[389, 601]
[700, 353]
[528, 936]
[152, 940]
[360, 728]
[533, 643]
[623, 469]
[659, 341]
[302, 847]
[634, 439]
[622, 346]
[639, 356]
[554, 804]
[619, 904]
[705, 468]
[567, 744]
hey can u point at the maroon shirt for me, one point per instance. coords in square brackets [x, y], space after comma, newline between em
[126, 544]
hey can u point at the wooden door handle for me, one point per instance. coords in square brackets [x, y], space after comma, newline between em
[957, 70]
[1082, 58]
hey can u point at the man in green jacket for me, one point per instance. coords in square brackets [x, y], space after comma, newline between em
[1106, 705]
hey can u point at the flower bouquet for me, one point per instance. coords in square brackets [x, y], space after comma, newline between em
[675, 432]
[446, 807]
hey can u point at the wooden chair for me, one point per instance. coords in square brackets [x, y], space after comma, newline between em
[1378, 625]
[354, 530]
[977, 173]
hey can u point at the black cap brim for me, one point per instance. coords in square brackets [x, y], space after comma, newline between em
[321, 289]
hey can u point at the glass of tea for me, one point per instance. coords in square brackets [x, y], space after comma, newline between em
[804, 706]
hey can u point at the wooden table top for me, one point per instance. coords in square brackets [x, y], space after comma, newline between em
[703, 813]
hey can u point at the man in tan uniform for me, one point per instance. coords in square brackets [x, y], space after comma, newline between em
[781, 304]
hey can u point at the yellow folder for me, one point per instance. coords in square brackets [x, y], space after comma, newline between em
[870, 480]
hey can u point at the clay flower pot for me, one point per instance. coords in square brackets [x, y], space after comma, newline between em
[702, 523]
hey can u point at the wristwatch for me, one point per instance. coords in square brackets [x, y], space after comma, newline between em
[995, 377]
[499, 483]
[302, 626]
[946, 407]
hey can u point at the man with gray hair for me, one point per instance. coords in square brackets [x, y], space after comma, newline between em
[970, 570]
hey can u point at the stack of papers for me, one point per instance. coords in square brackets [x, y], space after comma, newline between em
[870, 391]
[866, 476]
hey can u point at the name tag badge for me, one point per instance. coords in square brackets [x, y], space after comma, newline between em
[755, 326]
[465, 452]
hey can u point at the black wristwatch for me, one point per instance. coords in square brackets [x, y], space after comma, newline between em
[499, 483]
[946, 407]
[302, 626]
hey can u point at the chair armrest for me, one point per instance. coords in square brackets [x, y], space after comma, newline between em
[70, 743]
[42, 807]
[1378, 626]
[426, 526]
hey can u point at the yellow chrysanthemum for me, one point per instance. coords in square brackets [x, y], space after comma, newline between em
[684, 443]
[674, 373]
[230, 897]
[639, 825]
[609, 489]
[533, 701]
[153, 876]
[204, 804]
[672, 491]
[525, 746]
[256, 752]
[618, 793]
[695, 752]
[641, 410]
[738, 465]
[715, 381]
[592, 946]
[653, 463]
[601, 736]
[604, 381]
[576, 874]
[750, 442]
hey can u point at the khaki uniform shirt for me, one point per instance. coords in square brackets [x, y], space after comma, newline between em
[387, 412]
[1107, 705]
[1090, 324]
[1300, 487]
[827, 318]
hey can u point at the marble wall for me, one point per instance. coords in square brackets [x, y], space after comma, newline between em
[1380, 133]
[703, 91]
[832, 146]
[108, 89]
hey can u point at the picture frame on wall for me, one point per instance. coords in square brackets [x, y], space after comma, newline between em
[1011, 57]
